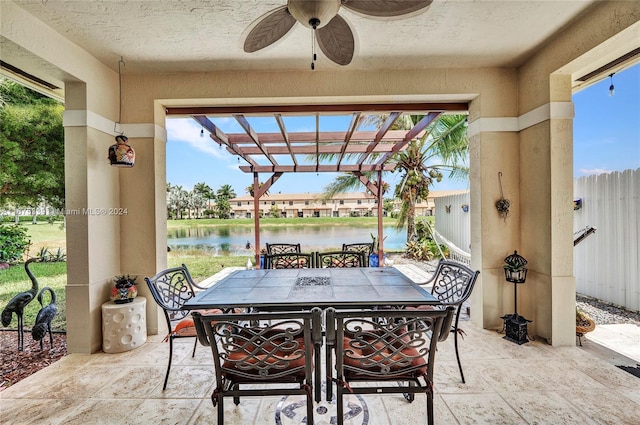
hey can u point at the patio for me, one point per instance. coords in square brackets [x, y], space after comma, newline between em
[506, 383]
[513, 65]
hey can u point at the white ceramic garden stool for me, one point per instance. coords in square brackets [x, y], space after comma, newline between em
[124, 326]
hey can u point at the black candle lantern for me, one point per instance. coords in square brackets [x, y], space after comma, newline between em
[514, 268]
[515, 326]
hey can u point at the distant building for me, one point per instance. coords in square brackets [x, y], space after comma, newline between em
[351, 204]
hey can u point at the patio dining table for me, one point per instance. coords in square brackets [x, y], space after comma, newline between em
[340, 288]
[296, 289]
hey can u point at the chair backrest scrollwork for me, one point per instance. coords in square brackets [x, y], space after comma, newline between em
[171, 289]
[282, 248]
[452, 282]
[340, 259]
[289, 261]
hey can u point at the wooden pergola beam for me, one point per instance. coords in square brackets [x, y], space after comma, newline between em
[337, 149]
[258, 192]
[411, 134]
[310, 137]
[348, 137]
[244, 123]
[386, 126]
[285, 137]
[380, 108]
[216, 134]
[221, 138]
[323, 168]
[373, 188]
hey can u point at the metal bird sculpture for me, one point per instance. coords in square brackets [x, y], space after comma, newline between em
[44, 318]
[19, 302]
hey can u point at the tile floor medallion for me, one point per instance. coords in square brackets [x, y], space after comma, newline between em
[291, 410]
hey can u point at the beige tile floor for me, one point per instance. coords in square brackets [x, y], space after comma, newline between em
[506, 383]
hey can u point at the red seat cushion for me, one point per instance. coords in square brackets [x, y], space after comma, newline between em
[251, 359]
[370, 356]
[186, 327]
[424, 307]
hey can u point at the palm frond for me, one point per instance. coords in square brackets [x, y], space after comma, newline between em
[343, 183]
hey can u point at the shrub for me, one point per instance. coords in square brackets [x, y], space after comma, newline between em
[51, 257]
[13, 243]
[423, 247]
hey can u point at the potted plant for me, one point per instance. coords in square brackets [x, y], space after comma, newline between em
[373, 257]
[514, 268]
[584, 323]
[124, 289]
[263, 252]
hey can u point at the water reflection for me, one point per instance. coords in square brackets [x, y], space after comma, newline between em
[232, 240]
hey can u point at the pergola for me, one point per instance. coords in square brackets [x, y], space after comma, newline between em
[353, 150]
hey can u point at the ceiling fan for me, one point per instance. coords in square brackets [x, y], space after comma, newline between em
[330, 29]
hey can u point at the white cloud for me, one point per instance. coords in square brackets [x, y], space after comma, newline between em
[186, 130]
[593, 171]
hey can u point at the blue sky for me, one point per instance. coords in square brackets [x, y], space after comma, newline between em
[606, 138]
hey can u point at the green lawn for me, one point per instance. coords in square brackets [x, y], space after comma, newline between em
[45, 235]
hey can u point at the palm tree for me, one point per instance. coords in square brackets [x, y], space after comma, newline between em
[177, 200]
[226, 192]
[196, 202]
[443, 147]
[249, 189]
[205, 192]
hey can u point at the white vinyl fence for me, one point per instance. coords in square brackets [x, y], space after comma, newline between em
[607, 262]
[453, 225]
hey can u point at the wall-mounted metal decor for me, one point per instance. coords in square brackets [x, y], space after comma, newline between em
[502, 204]
[577, 204]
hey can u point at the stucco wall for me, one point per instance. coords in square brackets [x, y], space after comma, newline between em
[546, 159]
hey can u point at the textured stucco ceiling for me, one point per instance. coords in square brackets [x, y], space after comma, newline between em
[195, 35]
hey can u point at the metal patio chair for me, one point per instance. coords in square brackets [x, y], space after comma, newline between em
[289, 261]
[262, 354]
[366, 248]
[281, 248]
[382, 350]
[171, 289]
[452, 284]
[340, 259]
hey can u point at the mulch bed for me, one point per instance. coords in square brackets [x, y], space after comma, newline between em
[17, 365]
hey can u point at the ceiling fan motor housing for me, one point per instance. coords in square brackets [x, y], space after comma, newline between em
[309, 12]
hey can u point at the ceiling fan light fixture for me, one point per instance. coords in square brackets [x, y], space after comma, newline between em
[611, 87]
[305, 11]
[333, 33]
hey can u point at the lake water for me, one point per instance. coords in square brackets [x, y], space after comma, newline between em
[233, 240]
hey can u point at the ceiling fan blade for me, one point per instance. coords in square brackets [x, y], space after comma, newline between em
[270, 29]
[336, 41]
[386, 8]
